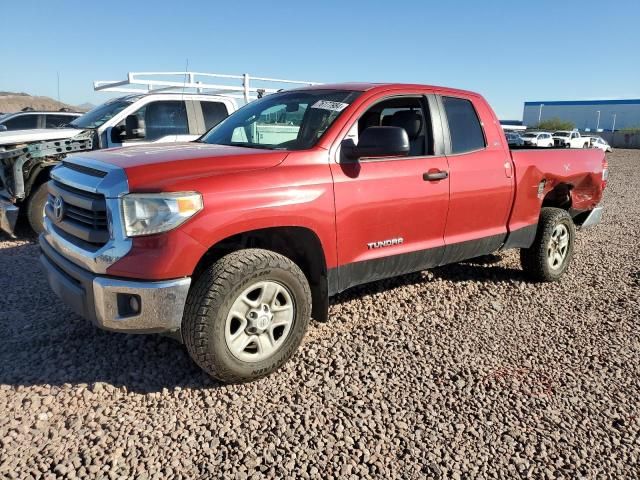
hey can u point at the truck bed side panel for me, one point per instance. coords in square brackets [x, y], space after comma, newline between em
[580, 170]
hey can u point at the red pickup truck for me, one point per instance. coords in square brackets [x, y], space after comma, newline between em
[234, 241]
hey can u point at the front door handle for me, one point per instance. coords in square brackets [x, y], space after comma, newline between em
[435, 176]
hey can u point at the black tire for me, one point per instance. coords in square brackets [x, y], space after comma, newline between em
[35, 208]
[211, 298]
[535, 259]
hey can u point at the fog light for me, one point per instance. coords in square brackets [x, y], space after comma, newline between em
[129, 305]
[134, 303]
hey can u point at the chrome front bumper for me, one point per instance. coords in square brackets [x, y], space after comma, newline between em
[114, 304]
[77, 271]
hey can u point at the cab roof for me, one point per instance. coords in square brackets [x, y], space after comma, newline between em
[364, 87]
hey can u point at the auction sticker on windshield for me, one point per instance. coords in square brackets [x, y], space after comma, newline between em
[328, 105]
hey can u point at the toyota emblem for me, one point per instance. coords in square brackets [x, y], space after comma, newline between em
[58, 209]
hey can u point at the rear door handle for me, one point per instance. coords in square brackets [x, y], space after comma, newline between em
[434, 176]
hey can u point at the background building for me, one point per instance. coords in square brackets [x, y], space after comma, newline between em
[586, 114]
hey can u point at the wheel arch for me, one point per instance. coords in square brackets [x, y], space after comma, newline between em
[300, 244]
[39, 175]
[560, 196]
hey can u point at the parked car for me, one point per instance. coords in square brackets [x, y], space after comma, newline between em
[31, 119]
[570, 139]
[130, 120]
[514, 139]
[538, 139]
[232, 243]
[601, 143]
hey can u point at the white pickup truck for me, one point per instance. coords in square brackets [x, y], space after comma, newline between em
[570, 139]
[160, 108]
[136, 119]
[129, 120]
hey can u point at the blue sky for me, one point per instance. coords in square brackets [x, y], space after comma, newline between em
[508, 51]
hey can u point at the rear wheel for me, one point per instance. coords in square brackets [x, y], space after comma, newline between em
[35, 208]
[552, 250]
[246, 315]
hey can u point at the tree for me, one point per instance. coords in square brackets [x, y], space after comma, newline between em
[556, 124]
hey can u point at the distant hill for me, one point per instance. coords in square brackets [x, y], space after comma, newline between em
[16, 101]
[85, 107]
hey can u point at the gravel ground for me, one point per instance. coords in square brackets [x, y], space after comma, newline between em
[464, 371]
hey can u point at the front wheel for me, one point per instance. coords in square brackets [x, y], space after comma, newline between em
[246, 315]
[549, 256]
[35, 208]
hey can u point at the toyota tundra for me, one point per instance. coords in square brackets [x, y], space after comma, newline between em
[233, 242]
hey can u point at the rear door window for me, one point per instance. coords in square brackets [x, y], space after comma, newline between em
[213, 113]
[464, 125]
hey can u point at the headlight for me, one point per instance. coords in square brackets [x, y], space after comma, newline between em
[149, 213]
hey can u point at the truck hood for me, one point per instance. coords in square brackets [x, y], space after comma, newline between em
[14, 137]
[153, 167]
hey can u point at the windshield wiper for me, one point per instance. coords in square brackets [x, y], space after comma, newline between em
[251, 145]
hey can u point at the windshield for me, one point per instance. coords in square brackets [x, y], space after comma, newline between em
[292, 120]
[97, 116]
[530, 135]
[561, 134]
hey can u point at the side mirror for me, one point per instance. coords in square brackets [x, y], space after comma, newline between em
[378, 142]
[117, 134]
[3, 128]
[132, 126]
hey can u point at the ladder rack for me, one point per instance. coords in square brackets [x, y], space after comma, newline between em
[236, 86]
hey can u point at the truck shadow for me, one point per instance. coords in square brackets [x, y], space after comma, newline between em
[44, 343]
[481, 269]
[23, 233]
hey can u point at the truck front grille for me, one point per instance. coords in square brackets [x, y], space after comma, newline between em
[78, 213]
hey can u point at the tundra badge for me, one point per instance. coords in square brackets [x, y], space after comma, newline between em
[385, 243]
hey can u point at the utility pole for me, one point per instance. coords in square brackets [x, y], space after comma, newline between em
[598, 122]
[540, 114]
[613, 128]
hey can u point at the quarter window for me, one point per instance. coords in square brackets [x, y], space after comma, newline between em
[213, 113]
[464, 125]
[55, 121]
